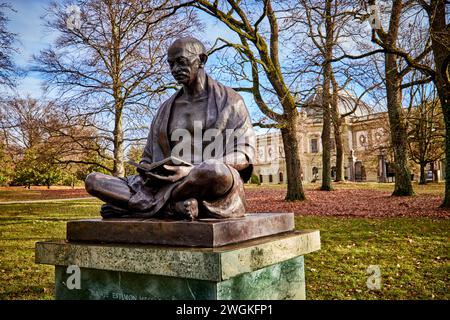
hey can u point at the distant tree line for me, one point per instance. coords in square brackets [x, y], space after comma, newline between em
[38, 148]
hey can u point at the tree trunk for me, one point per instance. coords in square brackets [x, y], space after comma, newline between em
[118, 134]
[326, 101]
[326, 142]
[339, 156]
[292, 156]
[439, 32]
[444, 97]
[397, 123]
[423, 179]
[403, 185]
[119, 167]
[337, 128]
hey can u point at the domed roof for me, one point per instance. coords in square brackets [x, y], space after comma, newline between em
[346, 103]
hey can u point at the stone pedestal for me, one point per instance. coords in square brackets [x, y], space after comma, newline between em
[261, 266]
[200, 233]
[267, 268]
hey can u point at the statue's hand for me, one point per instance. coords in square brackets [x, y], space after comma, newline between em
[141, 169]
[179, 172]
[141, 172]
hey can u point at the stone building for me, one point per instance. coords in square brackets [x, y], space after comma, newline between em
[365, 136]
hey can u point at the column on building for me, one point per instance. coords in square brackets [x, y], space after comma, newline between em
[382, 175]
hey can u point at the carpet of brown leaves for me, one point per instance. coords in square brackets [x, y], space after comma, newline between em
[349, 202]
[63, 194]
[341, 202]
[40, 193]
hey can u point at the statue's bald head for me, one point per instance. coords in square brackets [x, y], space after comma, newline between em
[186, 57]
[191, 44]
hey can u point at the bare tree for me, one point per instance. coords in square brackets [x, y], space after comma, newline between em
[314, 19]
[351, 104]
[436, 43]
[326, 97]
[8, 70]
[20, 121]
[393, 83]
[257, 26]
[77, 140]
[439, 31]
[426, 128]
[109, 61]
[332, 30]
[31, 134]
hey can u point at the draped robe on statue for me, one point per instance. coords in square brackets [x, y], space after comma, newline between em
[226, 113]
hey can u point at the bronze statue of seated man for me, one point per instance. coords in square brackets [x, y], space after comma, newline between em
[205, 124]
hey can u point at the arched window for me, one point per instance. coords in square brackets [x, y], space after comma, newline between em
[260, 178]
[358, 171]
[281, 177]
[270, 178]
[314, 146]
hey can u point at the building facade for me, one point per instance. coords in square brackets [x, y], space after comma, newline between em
[365, 138]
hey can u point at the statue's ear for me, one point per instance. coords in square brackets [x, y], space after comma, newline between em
[203, 59]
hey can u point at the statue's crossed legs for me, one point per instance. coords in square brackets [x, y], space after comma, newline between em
[218, 188]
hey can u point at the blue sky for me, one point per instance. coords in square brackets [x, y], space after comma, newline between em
[31, 35]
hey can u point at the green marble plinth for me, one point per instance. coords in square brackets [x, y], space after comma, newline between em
[285, 280]
[266, 268]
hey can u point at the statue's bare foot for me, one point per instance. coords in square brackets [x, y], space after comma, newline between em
[187, 208]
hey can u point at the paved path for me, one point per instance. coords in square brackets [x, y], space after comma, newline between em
[43, 201]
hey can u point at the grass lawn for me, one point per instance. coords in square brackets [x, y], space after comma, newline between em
[411, 252]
